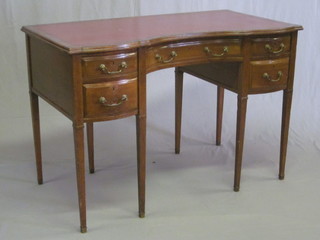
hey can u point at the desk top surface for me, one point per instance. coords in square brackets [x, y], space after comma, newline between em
[131, 32]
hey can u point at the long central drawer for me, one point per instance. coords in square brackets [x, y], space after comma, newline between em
[178, 54]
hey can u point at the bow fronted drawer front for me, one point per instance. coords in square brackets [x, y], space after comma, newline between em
[268, 47]
[109, 67]
[268, 75]
[110, 100]
[184, 53]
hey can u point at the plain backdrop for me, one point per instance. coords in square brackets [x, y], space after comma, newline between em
[189, 196]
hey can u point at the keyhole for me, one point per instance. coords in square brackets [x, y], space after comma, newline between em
[115, 88]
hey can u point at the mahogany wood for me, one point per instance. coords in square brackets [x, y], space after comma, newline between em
[241, 121]
[78, 133]
[178, 107]
[192, 52]
[34, 104]
[220, 99]
[112, 92]
[71, 65]
[90, 141]
[224, 74]
[250, 78]
[93, 73]
[141, 127]
[52, 76]
[259, 84]
[80, 170]
[274, 41]
[286, 107]
[36, 134]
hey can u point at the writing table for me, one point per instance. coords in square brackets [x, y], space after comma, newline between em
[96, 71]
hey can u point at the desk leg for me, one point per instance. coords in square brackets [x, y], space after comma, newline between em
[241, 120]
[34, 102]
[90, 142]
[220, 98]
[80, 169]
[141, 158]
[286, 108]
[178, 108]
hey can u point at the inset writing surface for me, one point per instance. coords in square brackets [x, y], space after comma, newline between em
[119, 33]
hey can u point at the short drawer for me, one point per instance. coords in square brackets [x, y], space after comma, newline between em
[271, 47]
[109, 66]
[268, 75]
[111, 99]
[178, 54]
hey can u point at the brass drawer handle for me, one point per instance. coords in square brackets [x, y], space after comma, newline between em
[104, 101]
[172, 56]
[225, 51]
[104, 69]
[266, 76]
[270, 49]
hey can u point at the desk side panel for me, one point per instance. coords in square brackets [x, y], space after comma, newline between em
[51, 75]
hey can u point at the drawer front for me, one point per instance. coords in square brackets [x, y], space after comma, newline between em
[111, 100]
[109, 67]
[268, 75]
[271, 47]
[171, 55]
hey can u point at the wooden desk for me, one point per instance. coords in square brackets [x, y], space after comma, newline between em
[96, 71]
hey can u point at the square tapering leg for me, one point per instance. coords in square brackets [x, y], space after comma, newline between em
[178, 107]
[286, 109]
[90, 142]
[80, 170]
[241, 120]
[141, 159]
[34, 102]
[220, 99]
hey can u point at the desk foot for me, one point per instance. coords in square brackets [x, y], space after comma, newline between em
[40, 182]
[236, 189]
[177, 151]
[281, 177]
[91, 171]
[218, 143]
[83, 229]
[141, 215]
